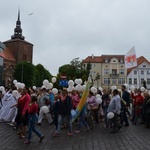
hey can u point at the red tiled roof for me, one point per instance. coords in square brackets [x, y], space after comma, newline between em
[100, 59]
[93, 59]
[8, 55]
[140, 60]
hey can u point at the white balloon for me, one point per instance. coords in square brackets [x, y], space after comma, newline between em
[49, 86]
[45, 109]
[54, 91]
[79, 81]
[2, 88]
[98, 96]
[79, 87]
[22, 85]
[132, 88]
[93, 89]
[83, 87]
[18, 85]
[129, 91]
[15, 93]
[45, 82]
[70, 88]
[14, 81]
[53, 80]
[43, 87]
[142, 89]
[76, 81]
[101, 89]
[110, 115]
[113, 88]
[70, 83]
[98, 100]
[34, 87]
[126, 85]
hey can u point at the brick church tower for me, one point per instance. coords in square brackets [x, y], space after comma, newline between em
[17, 50]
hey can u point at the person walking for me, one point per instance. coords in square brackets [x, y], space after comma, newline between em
[33, 117]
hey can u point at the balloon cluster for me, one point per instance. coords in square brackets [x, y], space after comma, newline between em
[47, 85]
[98, 99]
[18, 85]
[78, 82]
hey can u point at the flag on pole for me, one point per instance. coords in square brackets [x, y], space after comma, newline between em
[130, 58]
[82, 101]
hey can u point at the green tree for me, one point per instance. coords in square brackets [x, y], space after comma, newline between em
[88, 68]
[68, 70]
[24, 73]
[40, 74]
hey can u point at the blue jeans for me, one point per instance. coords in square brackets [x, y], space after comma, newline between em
[68, 121]
[31, 127]
[82, 121]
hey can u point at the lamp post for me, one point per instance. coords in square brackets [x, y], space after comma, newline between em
[22, 73]
[22, 70]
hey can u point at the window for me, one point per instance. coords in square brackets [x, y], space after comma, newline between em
[106, 60]
[142, 72]
[148, 80]
[135, 71]
[121, 71]
[114, 81]
[121, 61]
[114, 71]
[106, 80]
[142, 79]
[135, 80]
[121, 80]
[130, 80]
[106, 71]
[148, 72]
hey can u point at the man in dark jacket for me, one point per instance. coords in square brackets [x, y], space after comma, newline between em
[125, 103]
[65, 106]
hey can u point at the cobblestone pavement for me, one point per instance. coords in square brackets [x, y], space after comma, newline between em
[128, 138]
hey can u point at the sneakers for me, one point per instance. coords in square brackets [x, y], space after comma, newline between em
[41, 138]
[27, 142]
[39, 124]
[77, 131]
[69, 133]
[55, 134]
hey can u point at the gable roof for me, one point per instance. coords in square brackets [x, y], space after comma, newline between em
[100, 59]
[93, 59]
[140, 60]
[8, 55]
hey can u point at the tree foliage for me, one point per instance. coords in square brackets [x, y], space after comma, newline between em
[24, 73]
[27, 73]
[40, 74]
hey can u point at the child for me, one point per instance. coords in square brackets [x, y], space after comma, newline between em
[33, 118]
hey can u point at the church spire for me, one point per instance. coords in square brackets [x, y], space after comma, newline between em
[18, 30]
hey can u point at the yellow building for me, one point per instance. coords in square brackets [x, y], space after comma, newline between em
[107, 70]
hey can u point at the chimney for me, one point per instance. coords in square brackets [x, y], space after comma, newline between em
[92, 56]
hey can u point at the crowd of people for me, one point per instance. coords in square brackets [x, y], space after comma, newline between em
[26, 108]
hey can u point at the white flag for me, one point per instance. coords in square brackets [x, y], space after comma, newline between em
[130, 59]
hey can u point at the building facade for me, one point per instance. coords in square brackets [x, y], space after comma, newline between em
[137, 75]
[107, 70]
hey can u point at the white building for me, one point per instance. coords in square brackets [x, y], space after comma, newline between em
[140, 73]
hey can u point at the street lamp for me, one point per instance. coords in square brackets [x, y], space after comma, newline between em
[22, 70]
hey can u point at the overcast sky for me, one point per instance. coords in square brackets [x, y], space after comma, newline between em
[62, 30]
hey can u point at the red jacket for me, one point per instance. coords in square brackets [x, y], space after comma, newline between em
[33, 108]
[139, 99]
